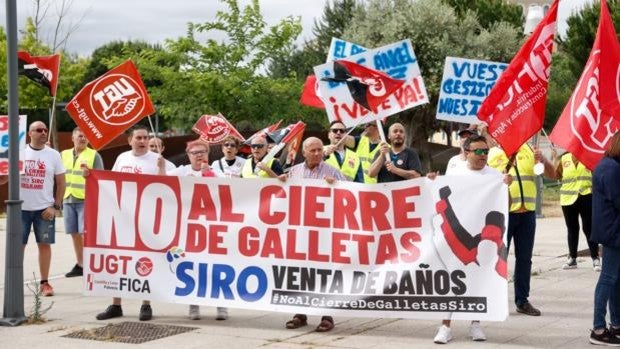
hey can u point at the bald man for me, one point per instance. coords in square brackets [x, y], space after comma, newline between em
[403, 162]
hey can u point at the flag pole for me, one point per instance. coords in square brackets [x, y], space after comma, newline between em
[49, 134]
[153, 129]
[382, 135]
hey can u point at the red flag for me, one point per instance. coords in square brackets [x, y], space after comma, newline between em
[368, 87]
[109, 105]
[214, 128]
[515, 108]
[586, 124]
[310, 93]
[40, 69]
[245, 148]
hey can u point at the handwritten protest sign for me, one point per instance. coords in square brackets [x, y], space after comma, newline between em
[397, 60]
[466, 83]
[411, 249]
[4, 143]
[339, 49]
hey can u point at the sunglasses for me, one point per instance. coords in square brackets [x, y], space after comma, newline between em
[338, 130]
[257, 146]
[479, 151]
[229, 145]
[39, 130]
[196, 152]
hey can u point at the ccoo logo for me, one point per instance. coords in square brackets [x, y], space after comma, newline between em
[117, 99]
[592, 128]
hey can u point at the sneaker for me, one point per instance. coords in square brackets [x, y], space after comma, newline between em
[111, 311]
[605, 338]
[444, 335]
[596, 264]
[615, 331]
[571, 263]
[146, 312]
[194, 312]
[76, 271]
[46, 289]
[528, 309]
[476, 333]
[222, 313]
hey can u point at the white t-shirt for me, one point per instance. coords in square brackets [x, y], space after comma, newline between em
[186, 170]
[145, 164]
[37, 182]
[466, 171]
[456, 162]
[233, 170]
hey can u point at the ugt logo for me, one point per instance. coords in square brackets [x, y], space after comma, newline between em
[117, 99]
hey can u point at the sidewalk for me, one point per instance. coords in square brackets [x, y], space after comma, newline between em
[564, 296]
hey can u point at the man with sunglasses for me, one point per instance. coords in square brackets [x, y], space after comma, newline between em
[522, 215]
[475, 150]
[271, 169]
[43, 169]
[404, 163]
[460, 160]
[230, 164]
[341, 158]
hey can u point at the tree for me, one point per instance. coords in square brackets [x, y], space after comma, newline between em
[436, 32]
[299, 63]
[572, 54]
[489, 12]
[64, 22]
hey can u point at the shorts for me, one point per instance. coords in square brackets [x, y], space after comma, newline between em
[44, 230]
[73, 214]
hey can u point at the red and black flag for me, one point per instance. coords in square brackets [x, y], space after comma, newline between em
[41, 69]
[368, 87]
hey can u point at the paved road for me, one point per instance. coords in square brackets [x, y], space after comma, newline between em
[565, 298]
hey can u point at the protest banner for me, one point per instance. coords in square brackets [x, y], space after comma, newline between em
[588, 121]
[465, 84]
[214, 128]
[412, 249]
[109, 105]
[4, 143]
[339, 49]
[397, 60]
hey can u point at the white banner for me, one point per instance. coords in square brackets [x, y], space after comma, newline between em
[413, 249]
[396, 60]
[466, 83]
[4, 143]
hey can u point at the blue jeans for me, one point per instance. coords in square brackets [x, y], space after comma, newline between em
[608, 289]
[521, 229]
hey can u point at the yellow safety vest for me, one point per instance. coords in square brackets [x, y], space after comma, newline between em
[74, 179]
[523, 184]
[576, 180]
[366, 156]
[246, 171]
[350, 164]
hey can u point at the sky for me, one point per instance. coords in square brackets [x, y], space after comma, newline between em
[155, 20]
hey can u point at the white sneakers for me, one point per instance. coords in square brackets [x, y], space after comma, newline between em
[444, 333]
[476, 333]
[194, 312]
[571, 263]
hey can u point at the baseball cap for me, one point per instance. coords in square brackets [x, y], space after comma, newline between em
[467, 132]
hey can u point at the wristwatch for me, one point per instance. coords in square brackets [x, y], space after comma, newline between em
[56, 207]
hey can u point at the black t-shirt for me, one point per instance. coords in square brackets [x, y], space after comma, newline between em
[407, 159]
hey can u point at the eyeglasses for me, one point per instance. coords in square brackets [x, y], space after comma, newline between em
[229, 145]
[197, 152]
[39, 130]
[479, 151]
[338, 130]
[257, 146]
